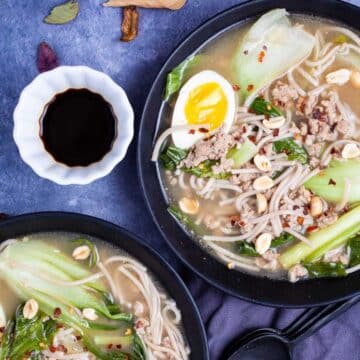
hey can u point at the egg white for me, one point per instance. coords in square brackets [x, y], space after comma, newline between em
[183, 139]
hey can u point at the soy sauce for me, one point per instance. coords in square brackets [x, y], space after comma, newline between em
[78, 127]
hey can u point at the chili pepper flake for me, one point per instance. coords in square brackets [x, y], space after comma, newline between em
[300, 220]
[236, 87]
[312, 228]
[246, 52]
[332, 182]
[57, 312]
[276, 132]
[250, 87]
[261, 56]
[203, 130]
[192, 131]
[252, 138]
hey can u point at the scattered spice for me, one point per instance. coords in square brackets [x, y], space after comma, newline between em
[300, 220]
[276, 132]
[261, 56]
[332, 182]
[57, 312]
[110, 346]
[250, 87]
[192, 131]
[203, 130]
[130, 23]
[63, 13]
[46, 58]
[264, 47]
[312, 228]
[252, 138]
[118, 346]
[167, 4]
[246, 52]
[236, 87]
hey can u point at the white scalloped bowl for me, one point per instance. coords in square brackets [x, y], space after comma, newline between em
[29, 110]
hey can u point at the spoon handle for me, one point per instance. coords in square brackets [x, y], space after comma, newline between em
[315, 318]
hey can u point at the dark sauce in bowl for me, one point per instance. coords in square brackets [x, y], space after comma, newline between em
[78, 127]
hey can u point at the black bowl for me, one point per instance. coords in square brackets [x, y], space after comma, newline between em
[58, 221]
[246, 286]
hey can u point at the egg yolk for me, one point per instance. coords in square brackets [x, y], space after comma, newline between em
[206, 104]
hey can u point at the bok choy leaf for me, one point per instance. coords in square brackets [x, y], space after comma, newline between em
[270, 48]
[329, 184]
[330, 237]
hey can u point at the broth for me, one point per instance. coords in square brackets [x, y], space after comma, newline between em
[217, 221]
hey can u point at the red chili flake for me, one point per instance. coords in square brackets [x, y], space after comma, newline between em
[296, 207]
[252, 138]
[285, 224]
[312, 228]
[333, 151]
[203, 130]
[332, 182]
[276, 132]
[300, 220]
[237, 138]
[110, 346]
[57, 312]
[192, 131]
[78, 337]
[250, 87]
[244, 129]
[261, 56]
[236, 87]
[2, 329]
[118, 346]
[52, 348]
[246, 52]
[262, 151]
[234, 219]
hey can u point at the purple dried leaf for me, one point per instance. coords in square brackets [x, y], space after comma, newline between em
[46, 59]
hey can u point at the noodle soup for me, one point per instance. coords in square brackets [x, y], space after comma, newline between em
[266, 176]
[80, 298]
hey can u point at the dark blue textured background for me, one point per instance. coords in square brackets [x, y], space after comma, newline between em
[92, 39]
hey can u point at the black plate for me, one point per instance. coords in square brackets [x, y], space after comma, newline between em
[256, 289]
[57, 221]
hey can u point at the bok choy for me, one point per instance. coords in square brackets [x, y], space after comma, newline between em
[39, 271]
[271, 47]
[331, 237]
[329, 184]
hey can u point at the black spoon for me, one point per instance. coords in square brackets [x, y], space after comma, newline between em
[273, 344]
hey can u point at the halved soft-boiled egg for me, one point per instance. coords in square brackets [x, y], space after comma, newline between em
[206, 99]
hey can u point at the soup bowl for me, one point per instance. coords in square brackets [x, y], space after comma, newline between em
[118, 237]
[244, 285]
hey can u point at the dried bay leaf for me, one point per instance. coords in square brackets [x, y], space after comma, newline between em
[63, 13]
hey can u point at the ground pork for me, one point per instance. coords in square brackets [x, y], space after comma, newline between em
[239, 179]
[327, 218]
[213, 148]
[284, 95]
[337, 255]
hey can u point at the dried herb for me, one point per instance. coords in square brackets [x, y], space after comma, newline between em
[46, 58]
[130, 23]
[63, 13]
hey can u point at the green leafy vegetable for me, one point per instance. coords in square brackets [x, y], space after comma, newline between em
[246, 249]
[283, 239]
[325, 269]
[30, 335]
[204, 170]
[175, 78]
[94, 256]
[323, 240]
[329, 184]
[5, 344]
[354, 245]
[268, 50]
[293, 150]
[184, 219]
[262, 107]
[243, 154]
[172, 156]
[49, 268]
[63, 13]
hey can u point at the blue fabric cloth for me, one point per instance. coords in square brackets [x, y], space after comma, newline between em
[92, 39]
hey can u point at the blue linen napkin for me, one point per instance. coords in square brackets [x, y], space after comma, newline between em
[226, 318]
